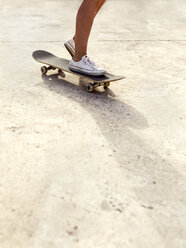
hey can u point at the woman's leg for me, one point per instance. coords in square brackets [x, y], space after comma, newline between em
[99, 7]
[84, 20]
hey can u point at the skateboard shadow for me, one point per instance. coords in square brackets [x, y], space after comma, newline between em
[153, 180]
[102, 105]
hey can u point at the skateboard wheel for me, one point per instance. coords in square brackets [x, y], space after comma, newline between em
[61, 73]
[106, 84]
[44, 69]
[90, 87]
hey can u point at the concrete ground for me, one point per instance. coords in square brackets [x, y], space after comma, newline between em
[105, 169]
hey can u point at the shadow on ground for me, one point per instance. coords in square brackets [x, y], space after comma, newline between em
[155, 181]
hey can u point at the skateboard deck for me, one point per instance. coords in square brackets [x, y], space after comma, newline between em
[61, 64]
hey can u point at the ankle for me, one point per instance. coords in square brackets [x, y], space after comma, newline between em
[77, 59]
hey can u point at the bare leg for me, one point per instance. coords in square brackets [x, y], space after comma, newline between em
[84, 20]
[100, 5]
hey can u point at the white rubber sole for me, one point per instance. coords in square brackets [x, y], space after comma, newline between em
[87, 72]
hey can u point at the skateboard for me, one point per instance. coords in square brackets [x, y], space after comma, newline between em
[53, 62]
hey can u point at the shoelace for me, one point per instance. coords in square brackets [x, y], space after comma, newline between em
[89, 62]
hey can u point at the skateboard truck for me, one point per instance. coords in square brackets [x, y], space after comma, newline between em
[90, 86]
[44, 69]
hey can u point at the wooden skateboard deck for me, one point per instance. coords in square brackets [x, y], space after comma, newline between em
[61, 64]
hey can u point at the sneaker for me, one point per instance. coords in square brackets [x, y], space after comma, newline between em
[86, 66]
[70, 46]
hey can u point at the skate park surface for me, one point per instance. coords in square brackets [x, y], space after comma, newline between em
[103, 169]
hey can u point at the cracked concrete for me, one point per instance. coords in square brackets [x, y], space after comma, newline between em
[93, 170]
